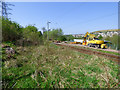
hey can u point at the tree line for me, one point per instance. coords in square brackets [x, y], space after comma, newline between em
[29, 35]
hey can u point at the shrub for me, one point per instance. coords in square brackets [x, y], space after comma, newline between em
[11, 31]
[31, 34]
[62, 38]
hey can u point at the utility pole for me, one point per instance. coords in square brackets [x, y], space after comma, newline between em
[5, 7]
[48, 30]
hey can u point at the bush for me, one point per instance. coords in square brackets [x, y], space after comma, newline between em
[69, 37]
[11, 31]
[115, 41]
[32, 35]
[100, 37]
[54, 34]
[62, 38]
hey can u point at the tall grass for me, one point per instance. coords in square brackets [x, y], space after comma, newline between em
[50, 66]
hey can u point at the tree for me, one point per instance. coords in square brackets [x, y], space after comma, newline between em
[44, 29]
[62, 38]
[100, 37]
[31, 34]
[40, 33]
[115, 41]
[54, 34]
[11, 31]
[69, 37]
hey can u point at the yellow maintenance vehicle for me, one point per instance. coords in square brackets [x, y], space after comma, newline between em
[91, 41]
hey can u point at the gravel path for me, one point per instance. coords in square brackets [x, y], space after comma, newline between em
[91, 52]
[111, 50]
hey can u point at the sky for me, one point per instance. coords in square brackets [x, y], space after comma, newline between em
[72, 17]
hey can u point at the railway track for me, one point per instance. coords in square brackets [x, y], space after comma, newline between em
[112, 57]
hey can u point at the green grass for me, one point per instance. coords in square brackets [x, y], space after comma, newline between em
[109, 52]
[58, 67]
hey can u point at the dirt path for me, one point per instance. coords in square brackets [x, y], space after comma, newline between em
[115, 58]
[111, 50]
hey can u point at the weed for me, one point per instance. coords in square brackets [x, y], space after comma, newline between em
[51, 66]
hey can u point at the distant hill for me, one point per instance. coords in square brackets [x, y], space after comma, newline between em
[105, 33]
[110, 30]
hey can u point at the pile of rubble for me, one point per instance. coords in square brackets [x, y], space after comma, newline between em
[9, 51]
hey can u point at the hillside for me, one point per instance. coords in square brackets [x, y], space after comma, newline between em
[110, 30]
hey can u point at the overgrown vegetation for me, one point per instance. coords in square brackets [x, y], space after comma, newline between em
[57, 34]
[115, 41]
[13, 32]
[38, 63]
[53, 34]
[58, 67]
[29, 35]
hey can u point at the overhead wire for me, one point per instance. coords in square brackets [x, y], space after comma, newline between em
[81, 22]
[97, 18]
[65, 14]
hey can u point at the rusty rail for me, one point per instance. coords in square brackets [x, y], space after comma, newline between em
[112, 57]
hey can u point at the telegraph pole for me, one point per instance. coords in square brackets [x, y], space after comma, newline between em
[5, 7]
[48, 30]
